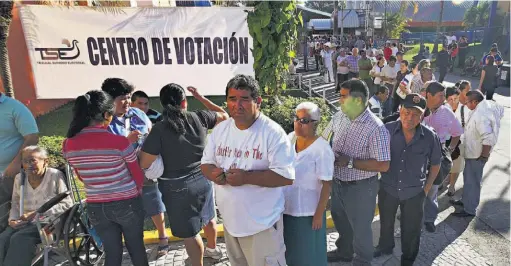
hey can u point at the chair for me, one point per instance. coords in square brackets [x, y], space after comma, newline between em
[70, 235]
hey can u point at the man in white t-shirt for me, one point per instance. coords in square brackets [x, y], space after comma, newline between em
[250, 159]
[394, 49]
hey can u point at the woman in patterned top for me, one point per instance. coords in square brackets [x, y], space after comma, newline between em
[107, 165]
[18, 242]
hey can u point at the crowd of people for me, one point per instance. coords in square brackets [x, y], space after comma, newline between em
[396, 137]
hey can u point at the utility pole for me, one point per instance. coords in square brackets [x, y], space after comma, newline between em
[385, 21]
[342, 19]
[336, 17]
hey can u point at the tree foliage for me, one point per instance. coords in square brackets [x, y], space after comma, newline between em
[397, 22]
[273, 27]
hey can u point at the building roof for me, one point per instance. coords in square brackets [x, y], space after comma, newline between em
[351, 20]
[429, 11]
[307, 9]
[320, 24]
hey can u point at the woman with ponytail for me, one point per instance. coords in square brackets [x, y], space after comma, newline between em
[107, 165]
[187, 194]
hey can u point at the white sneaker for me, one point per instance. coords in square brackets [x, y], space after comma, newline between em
[212, 253]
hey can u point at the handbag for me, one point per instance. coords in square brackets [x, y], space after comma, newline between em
[445, 166]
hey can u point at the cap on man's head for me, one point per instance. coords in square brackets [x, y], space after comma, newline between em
[434, 86]
[414, 100]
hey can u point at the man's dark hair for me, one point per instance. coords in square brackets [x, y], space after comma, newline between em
[357, 88]
[392, 58]
[404, 62]
[450, 91]
[490, 59]
[434, 88]
[117, 87]
[494, 50]
[399, 53]
[394, 44]
[362, 51]
[412, 65]
[475, 96]
[138, 94]
[243, 82]
[380, 89]
[463, 84]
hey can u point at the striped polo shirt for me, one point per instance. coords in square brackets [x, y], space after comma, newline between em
[106, 164]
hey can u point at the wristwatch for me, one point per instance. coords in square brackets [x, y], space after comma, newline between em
[350, 163]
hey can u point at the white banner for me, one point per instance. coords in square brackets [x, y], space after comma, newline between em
[72, 50]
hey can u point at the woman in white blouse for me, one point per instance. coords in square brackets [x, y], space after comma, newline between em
[306, 199]
[19, 240]
[376, 72]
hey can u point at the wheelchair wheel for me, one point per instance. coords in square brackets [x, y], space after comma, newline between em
[82, 248]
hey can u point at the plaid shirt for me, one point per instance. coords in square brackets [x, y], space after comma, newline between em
[363, 138]
[445, 123]
[353, 63]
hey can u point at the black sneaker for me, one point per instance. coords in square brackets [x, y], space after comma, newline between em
[379, 252]
[430, 227]
[334, 256]
[456, 202]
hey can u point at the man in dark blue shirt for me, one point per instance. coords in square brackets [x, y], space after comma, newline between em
[413, 148]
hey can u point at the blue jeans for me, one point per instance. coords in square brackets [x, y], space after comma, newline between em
[353, 205]
[472, 177]
[112, 221]
[18, 246]
[431, 205]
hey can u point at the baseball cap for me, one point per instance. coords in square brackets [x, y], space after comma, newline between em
[414, 100]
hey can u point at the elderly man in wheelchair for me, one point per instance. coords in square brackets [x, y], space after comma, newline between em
[40, 183]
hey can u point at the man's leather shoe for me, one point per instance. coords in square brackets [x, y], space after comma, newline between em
[462, 213]
[334, 256]
[430, 227]
[379, 252]
[456, 202]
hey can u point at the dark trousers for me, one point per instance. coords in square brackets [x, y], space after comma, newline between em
[489, 91]
[112, 221]
[443, 72]
[18, 246]
[353, 205]
[318, 60]
[411, 224]
[340, 79]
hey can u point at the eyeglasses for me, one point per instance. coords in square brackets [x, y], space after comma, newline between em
[33, 160]
[303, 121]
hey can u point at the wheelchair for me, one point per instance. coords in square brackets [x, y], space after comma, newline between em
[70, 236]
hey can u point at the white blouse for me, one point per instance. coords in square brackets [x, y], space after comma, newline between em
[52, 184]
[312, 165]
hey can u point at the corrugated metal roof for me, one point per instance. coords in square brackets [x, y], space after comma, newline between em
[320, 24]
[351, 19]
[428, 10]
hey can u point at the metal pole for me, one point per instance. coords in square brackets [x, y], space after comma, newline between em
[324, 93]
[300, 81]
[310, 87]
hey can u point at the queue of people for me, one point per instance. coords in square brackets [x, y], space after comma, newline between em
[272, 188]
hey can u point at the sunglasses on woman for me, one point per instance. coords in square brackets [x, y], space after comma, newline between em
[303, 121]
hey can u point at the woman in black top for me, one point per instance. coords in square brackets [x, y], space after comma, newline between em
[187, 194]
[487, 83]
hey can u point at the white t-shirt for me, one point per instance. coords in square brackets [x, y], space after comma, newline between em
[342, 69]
[250, 209]
[312, 165]
[375, 107]
[450, 39]
[394, 50]
[390, 72]
[377, 70]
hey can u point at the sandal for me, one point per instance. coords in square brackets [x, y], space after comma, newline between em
[163, 249]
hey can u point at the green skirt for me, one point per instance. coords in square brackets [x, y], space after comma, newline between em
[304, 246]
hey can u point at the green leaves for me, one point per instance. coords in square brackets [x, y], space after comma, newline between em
[273, 26]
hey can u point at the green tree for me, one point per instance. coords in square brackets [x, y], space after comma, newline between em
[438, 25]
[477, 16]
[397, 22]
[273, 27]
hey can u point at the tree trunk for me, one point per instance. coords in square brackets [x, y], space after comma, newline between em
[5, 69]
[336, 18]
[438, 25]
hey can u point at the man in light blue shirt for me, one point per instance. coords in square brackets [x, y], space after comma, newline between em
[18, 129]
